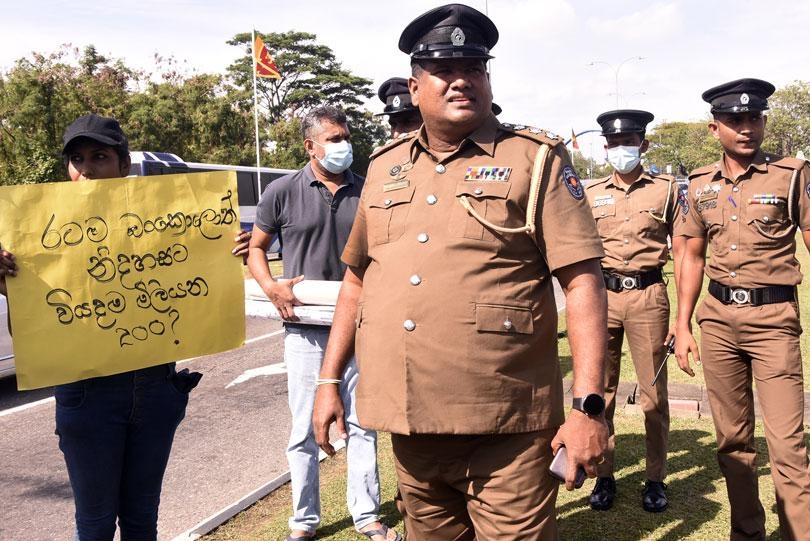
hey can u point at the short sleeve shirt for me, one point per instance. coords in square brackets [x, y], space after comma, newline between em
[746, 221]
[457, 323]
[634, 221]
[313, 224]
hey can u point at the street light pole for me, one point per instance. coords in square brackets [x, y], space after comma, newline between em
[616, 71]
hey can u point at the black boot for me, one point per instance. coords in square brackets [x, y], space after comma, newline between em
[604, 492]
[654, 497]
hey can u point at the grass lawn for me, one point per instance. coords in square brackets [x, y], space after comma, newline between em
[698, 506]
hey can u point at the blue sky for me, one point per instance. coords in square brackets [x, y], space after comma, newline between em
[541, 73]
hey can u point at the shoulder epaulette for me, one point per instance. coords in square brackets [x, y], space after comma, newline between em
[786, 162]
[596, 182]
[662, 176]
[391, 143]
[535, 134]
[705, 170]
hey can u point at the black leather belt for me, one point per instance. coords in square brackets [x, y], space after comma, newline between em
[754, 296]
[642, 280]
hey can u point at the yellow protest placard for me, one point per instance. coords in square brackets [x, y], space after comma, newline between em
[121, 274]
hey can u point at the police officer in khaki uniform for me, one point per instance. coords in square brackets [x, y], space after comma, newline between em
[747, 207]
[634, 212]
[449, 294]
[403, 117]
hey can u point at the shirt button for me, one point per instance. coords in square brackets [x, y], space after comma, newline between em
[625, 262]
[507, 325]
[416, 280]
[626, 218]
[735, 189]
[409, 325]
[431, 199]
[765, 218]
[626, 241]
[388, 202]
[733, 217]
[733, 274]
[733, 246]
[440, 168]
[422, 237]
[478, 191]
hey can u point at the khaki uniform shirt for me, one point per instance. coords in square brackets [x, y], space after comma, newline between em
[634, 221]
[457, 324]
[745, 220]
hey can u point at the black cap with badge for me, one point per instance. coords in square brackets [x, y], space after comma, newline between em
[449, 31]
[98, 128]
[624, 121]
[395, 95]
[739, 96]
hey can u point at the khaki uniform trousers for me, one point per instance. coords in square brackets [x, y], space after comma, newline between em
[739, 343]
[487, 487]
[643, 315]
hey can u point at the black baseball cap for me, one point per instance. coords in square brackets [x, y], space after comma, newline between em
[449, 31]
[739, 96]
[98, 128]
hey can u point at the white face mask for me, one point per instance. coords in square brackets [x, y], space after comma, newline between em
[337, 156]
[623, 159]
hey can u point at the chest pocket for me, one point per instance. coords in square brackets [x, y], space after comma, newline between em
[651, 224]
[714, 217]
[387, 214]
[489, 200]
[770, 221]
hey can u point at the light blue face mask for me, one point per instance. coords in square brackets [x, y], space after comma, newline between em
[624, 159]
[337, 156]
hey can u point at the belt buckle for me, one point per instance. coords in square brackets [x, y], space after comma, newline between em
[741, 296]
[629, 282]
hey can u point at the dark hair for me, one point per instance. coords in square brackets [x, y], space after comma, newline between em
[313, 119]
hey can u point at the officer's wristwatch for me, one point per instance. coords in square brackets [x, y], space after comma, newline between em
[592, 405]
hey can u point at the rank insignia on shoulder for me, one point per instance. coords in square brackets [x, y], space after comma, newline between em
[488, 173]
[572, 182]
[396, 185]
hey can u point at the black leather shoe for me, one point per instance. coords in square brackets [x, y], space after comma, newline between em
[654, 497]
[604, 492]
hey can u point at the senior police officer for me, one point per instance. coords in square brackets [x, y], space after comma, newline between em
[746, 207]
[403, 117]
[449, 294]
[634, 211]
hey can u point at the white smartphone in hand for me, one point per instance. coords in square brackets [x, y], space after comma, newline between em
[560, 465]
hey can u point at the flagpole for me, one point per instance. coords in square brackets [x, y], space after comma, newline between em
[256, 116]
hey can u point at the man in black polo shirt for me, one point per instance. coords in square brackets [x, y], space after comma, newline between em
[312, 212]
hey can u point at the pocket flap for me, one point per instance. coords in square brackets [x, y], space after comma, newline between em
[391, 199]
[481, 190]
[502, 318]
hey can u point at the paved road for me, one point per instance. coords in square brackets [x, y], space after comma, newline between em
[231, 443]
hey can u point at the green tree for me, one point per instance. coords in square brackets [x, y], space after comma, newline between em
[682, 145]
[311, 76]
[788, 128]
[40, 96]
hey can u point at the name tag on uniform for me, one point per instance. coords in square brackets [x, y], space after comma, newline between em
[707, 193]
[398, 185]
[602, 200]
[492, 174]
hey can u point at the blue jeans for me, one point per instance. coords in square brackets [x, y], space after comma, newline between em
[116, 433]
[303, 354]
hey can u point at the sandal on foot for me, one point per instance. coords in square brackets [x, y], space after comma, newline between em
[383, 531]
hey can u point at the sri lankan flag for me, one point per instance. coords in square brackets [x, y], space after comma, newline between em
[263, 62]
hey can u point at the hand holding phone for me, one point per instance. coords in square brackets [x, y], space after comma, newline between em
[559, 466]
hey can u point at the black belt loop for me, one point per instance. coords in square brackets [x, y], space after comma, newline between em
[642, 280]
[751, 296]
